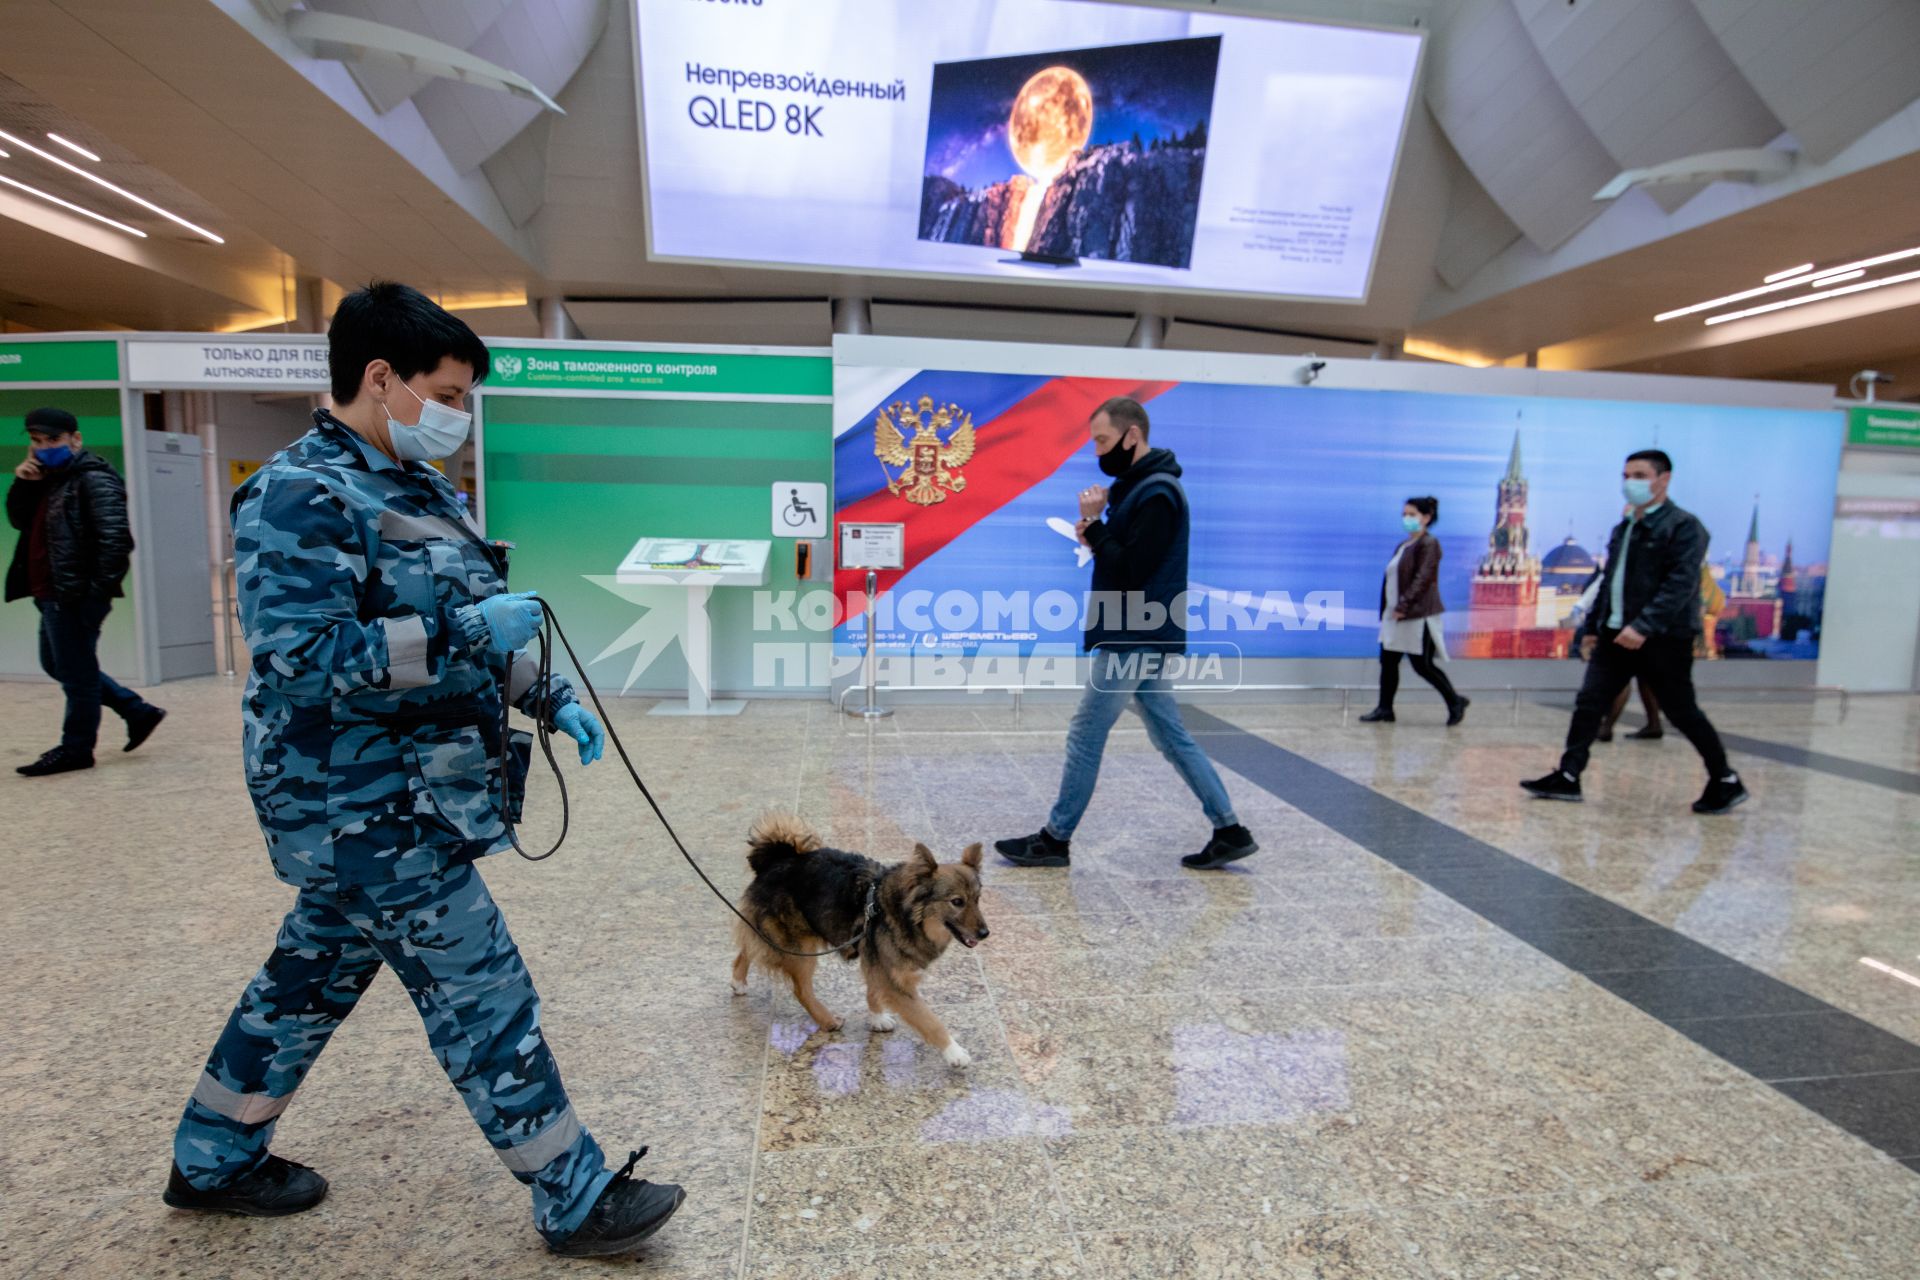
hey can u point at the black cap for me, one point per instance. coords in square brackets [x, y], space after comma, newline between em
[54, 422]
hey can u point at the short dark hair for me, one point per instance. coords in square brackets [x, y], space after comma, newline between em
[1662, 464]
[404, 327]
[1124, 412]
[52, 422]
[1428, 507]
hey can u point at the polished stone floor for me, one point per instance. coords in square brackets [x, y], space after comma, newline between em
[1435, 1029]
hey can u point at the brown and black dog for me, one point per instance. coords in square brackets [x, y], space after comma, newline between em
[806, 897]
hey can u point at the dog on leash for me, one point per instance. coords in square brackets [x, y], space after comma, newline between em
[896, 921]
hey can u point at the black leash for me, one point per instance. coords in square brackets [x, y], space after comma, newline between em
[550, 629]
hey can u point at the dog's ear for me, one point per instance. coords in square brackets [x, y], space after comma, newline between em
[923, 859]
[971, 857]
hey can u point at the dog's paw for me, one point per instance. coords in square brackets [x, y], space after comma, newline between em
[955, 1055]
[833, 1024]
[883, 1021]
[739, 988]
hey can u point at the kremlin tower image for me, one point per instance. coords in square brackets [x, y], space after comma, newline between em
[1506, 615]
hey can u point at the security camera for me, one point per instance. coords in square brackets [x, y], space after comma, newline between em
[1308, 372]
[1863, 383]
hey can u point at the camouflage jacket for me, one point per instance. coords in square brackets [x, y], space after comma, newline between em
[373, 725]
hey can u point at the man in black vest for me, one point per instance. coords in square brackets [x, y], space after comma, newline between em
[74, 549]
[1135, 619]
[1642, 623]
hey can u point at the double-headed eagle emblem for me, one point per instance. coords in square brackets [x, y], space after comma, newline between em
[931, 465]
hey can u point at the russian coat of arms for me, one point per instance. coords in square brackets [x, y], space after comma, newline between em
[930, 464]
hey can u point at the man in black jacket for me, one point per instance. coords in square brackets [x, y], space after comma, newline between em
[1135, 619]
[71, 510]
[1642, 623]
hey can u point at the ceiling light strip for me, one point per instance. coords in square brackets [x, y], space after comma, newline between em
[95, 178]
[65, 204]
[1799, 279]
[1789, 273]
[1844, 276]
[74, 147]
[1864, 285]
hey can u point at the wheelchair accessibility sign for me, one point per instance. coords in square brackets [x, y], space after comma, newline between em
[799, 509]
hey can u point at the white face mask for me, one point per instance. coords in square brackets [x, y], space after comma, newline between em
[437, 435]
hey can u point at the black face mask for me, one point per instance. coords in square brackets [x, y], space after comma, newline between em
[1115, 461]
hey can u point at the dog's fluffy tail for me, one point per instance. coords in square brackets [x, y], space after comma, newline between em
[776, 838]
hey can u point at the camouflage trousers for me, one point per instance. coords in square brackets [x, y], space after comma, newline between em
[445, 938]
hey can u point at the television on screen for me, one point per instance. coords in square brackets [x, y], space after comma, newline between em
[1088, 153]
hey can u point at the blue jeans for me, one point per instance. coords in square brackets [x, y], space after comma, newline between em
[1107, 695]
[447, 942]
[70, 653]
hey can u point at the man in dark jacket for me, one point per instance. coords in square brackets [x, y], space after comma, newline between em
[71, 510]
[1642, 623]
[1135, 618]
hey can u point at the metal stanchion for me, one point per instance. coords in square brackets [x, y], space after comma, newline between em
[873, 710]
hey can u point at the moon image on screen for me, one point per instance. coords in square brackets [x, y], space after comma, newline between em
[1052, 118]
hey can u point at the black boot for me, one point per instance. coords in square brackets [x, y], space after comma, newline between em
[58, 760]
[1229, 844]
[1041, 849]
[1647, 733]
[627, 1212]
[1379, 715]
[1721, 795]
[1457, 710]
[141, 724]
[273, 1188]
[1558, 785]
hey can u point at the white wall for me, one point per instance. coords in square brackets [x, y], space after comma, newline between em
[1870, 640]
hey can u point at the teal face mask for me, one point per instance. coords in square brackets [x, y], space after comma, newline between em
[1410, 523]
[1638, 492]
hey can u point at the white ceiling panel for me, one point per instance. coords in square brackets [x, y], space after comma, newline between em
[1475, 231]
[546, 41]
[458, 23]
[1829, 70]
[1512, 124]
[1649, 80]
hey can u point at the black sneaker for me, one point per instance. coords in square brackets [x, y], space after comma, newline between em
[58, 760]
[627, 1212]
[1646, 733]
[141, 724]
[1558, 785]
[1041, 849]
[272, 1189]
[1229, 844]
[1722, 795]
[1379, 715]
[1458, 710]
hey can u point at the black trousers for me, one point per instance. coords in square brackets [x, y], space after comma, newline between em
[1423, 665]
[1666, 664]
[69, 652]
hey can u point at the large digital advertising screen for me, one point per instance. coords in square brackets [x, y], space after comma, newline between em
[1295, 498]
[1055, 141]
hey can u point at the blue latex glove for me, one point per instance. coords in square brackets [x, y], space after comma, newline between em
[584, 728]
[512, 620]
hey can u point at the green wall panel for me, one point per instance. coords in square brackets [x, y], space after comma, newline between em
[99, 415]
[574, 482]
